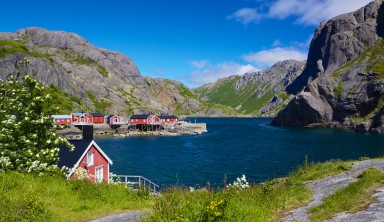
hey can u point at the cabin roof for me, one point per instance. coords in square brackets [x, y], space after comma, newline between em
[168, 117]
[140, 116]
[61, 116]
[72, 159]
[96, 114]
[78, 114]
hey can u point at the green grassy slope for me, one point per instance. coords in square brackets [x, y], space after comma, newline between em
[223, 92]
[27, 197]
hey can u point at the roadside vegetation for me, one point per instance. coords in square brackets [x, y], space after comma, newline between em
[258, 202]
[355, 197]
[29, 197]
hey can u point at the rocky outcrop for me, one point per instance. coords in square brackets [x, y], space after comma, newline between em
[101, 79]
[343, 79]
[339, 40]
[255, 93]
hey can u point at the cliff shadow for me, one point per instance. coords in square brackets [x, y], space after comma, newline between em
[380, 21]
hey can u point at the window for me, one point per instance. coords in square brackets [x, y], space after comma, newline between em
[99, 174]
[90, 159]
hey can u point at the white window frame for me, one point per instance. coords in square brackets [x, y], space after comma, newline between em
[99, 174]
[90, 158]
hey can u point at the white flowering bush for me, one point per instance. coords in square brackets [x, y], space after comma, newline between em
[28, 142]
[82, 174]
[239, 183]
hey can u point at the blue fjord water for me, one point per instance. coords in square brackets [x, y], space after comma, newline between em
[232, 147]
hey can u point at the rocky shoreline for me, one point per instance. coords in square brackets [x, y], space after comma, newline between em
[171, 130]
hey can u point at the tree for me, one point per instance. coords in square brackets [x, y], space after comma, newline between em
[28, 142]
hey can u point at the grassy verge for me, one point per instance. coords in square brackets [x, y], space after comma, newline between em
[25, 197]
[257, 203]
[265, 202]
[315, 171]
[353, 198]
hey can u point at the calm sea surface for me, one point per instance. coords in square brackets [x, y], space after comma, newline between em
[232, 147]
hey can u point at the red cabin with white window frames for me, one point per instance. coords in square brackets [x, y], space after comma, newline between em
[113, 119]
[96, 118]
[81, 118]
[62, 119]
[168, 119]
[89, 156]
[144, 119]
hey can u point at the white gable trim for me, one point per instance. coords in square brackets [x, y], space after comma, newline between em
[85, 153]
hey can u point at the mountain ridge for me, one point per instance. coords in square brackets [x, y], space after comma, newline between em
[102, 80]
[343, 85]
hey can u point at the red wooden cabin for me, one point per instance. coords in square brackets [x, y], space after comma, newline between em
[87, 155]
[81, 118]
[113, 119]
[96, 118]
[168, 119]
[62, 119]
[144, 119]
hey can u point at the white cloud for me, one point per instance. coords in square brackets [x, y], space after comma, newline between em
[307, 12]
[245, 16]
[215, 72]
[267, 58]
[277, 43]
[312, 12]
[198, 64]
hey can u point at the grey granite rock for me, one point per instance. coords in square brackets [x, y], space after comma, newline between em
[326, 96]
[79, 68]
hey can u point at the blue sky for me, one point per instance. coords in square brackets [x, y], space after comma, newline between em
[194, 42]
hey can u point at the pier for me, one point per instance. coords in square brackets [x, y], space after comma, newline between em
[136, 183]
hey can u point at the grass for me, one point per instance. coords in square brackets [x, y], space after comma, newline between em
[257, 203]
[101, 105]
[338, 90]
[63, 100]
[26, 197]
[245, 100]
[50, 198]
[102, 71]
[260, 202]
[11, 46]
[355, 197]
[315, 171]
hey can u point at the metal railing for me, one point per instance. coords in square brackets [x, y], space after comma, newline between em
[136, 182]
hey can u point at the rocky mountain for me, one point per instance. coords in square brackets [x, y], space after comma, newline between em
[92, 79]
[258, 93]
[343, 82]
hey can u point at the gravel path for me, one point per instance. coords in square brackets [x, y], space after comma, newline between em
[326, 186]
[133, 216]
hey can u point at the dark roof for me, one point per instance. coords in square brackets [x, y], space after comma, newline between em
[110, 116]
[168, 117]
[140, 116]
[96, 114]
[68, 158]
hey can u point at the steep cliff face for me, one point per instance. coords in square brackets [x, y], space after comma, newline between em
[339, 40]
[102, 80]
[257, 93]
[346, 63]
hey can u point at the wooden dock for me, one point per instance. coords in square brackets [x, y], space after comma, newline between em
[136, 183]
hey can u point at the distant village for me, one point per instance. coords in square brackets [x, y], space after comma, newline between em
[137, 124]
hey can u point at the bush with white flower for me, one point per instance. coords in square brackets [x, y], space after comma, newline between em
[239, 183]
[28, 142]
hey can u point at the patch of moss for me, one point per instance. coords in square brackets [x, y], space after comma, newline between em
[100, 104]
[63, 100]
[11, 46]
[102, 71]
[338, 90]
[283, 95]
